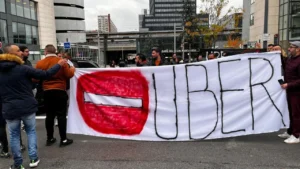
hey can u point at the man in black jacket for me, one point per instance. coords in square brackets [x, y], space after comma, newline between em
[18, 102]
[3, 136]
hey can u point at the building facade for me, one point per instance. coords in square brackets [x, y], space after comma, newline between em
[289, 22]
[165, 14]
[255, 21]
[46, 24]
[69, 21]
[106, 25]
[19, 25]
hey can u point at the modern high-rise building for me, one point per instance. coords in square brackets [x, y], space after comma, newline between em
[289, 22]
[257, 19]
[106, 25]
[28, 23]
[164, 14]
[69, 19]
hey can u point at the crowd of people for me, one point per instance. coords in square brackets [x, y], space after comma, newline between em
[19, 81]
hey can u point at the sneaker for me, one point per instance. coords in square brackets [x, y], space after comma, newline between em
[50, 142]
[66, 142]
[284, 135]
[292, 140]
[14, 167]
[34, 163]
[23, 148]
[4, 154]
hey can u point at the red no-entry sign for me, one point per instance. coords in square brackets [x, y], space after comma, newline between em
[114, 102]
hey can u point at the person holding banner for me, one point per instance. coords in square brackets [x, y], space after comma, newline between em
[55, 97]
[292, 86]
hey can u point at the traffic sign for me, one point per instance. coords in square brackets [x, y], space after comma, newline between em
[67, 45]
[265, 37]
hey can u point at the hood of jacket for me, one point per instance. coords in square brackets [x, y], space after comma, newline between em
[9, 61]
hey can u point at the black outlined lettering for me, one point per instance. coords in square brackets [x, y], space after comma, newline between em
[262, 84]
[221, 97]
[197, 91]
[175, 103]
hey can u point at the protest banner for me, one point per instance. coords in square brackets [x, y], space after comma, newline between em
[227, 97]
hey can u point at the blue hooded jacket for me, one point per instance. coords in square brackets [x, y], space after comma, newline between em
[16, 86]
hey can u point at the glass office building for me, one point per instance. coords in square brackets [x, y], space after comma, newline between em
[164, 14]
[19, 25]
[289, 22]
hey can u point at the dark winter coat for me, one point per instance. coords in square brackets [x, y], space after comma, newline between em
[16, 86]
[292, 74]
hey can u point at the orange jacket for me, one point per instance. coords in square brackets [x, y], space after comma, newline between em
[58, 81]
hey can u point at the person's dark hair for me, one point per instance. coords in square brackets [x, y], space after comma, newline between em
[142, 57]
[156, 49]
[1, 52]
[216, 55]
[23, 48]
[271, 45]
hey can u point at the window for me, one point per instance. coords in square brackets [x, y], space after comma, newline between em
[3, 31]
[2, 6]
[33, 10]
[15, 32]
[26, 9]
[13, 7]
[28, 34]
[251, 19]
[34, 35]
[22, 33]
[20, 9]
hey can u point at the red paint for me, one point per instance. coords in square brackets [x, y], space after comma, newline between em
[113, 119]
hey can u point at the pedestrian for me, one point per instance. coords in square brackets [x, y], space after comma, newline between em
[212, 56]
[25, 56]
[199, 58]
[156, 59]
[60, 54]
[18, 102]
[3, 136]
[140, 60]
[55, 97]
[292, 87]
[270, 47]
[112, 64]
[174, 57]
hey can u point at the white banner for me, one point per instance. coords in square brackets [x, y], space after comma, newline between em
[233, 96]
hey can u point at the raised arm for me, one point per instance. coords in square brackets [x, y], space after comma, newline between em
[41, 74]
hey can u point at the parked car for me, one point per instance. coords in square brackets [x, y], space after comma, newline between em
[78, 64]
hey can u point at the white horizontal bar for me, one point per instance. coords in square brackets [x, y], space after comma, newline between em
[112, 100]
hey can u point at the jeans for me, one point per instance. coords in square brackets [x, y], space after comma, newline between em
[14, 132]
[56, 106]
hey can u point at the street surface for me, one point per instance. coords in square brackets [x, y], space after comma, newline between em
[265, 151]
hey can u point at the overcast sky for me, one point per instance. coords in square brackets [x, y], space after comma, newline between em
[124, 13]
